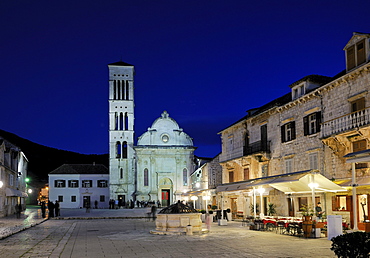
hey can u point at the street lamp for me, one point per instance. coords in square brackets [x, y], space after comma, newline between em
[194, 198]
[206, 198]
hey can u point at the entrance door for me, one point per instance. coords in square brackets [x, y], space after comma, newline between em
[290, 206]
[165, 197]
[86, 200]
[233, 208]
[121, 201]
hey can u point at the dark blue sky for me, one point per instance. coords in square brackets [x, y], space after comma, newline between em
[205, 62]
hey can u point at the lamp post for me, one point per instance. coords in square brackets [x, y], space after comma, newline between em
[313, 186]
[206, 198]
[194, 198]
[261, 191]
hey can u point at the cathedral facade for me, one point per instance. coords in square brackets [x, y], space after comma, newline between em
[158, 167]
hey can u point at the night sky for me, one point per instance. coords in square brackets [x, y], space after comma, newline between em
[205, 62]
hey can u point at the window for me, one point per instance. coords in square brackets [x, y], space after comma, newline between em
[102, 183]
[59, 183]
[11, 179]
[246, 174]
[185, 176]
[118, 150]
[313, 161]
[302, 201]
[146, 179]
[311, 123]
[359, 146]
[341, 203]
[102, 198]
[73, 198]
[73, 183]
[231, 176]
[86, 183]
[121, 173]
[356, 55]
[288, 166]
[288, 132]
[124, 150]
[60, 198]
[357, 105]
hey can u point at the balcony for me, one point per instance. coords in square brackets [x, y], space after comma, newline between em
[345, 123]
[256, 147]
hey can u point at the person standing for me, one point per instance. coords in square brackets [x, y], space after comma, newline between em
[51, 209]
[43, 209]
[319, 211]
[57, 209]
[154, 211]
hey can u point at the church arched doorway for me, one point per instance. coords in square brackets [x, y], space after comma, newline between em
[165, 191]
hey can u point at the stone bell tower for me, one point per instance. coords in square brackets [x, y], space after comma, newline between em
[121, 131]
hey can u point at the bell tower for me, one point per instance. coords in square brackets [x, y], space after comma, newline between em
[121, 131]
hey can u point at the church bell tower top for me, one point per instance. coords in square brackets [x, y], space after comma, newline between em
[120, 63]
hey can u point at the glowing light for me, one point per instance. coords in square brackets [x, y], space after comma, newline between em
[1, 184]
[313, 185]
[29, 191]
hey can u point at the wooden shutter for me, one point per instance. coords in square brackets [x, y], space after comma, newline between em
[318, 121]
[361, 57]
[305, 125]
[293, 130]
[351, 58]
[359, 145]
[283, 133]
[334, 205]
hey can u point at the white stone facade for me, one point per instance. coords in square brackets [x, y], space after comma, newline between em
[13, 174]
[78, 186]
[164, 161]
[310, 129]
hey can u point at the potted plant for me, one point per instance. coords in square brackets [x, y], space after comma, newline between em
[271, 209]
[307, 214]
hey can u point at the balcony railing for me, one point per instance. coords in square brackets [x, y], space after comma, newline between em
[347, 122]
[255, 147]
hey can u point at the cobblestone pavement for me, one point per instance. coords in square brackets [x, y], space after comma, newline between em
[72, 237]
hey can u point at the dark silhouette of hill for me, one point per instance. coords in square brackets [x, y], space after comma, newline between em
[43, 160]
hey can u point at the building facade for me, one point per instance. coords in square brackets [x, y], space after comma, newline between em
[80, 186]
[157, 168]
[13, 174]
[290, 152]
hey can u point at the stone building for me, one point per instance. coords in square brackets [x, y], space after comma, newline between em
[158, 167]
[290, 152]
[13, 174]
[79, 186]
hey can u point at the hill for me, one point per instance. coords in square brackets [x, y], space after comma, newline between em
[43, 160]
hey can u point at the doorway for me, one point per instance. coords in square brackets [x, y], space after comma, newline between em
[121, 201]
[290, 206]
[86, 201]
[165, 197]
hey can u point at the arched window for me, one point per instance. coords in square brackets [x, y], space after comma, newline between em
[118, 150]
[124, 150]
[115, 121]
[114, 89]
[121, 173]
[119, 89]
[127, 90]
[120, 121]
[126, 121]
[185, 176]
[146, 177]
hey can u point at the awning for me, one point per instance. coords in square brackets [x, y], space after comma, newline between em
[358, 156]
[301, 185]
[14, 192]
[359, 182]
[297, 182]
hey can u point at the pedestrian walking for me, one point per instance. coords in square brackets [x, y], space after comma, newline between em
[18, 209]
[153, 212]
[88, 206]
[96, 204]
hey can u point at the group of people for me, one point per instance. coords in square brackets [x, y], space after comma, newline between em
[118, 204]
[53, 208]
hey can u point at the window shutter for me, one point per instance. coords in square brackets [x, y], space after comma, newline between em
[361, 57]
[318, 121]
[293, 130]
[334, 205]
[351, 58]
[305, 125]
[283, 133]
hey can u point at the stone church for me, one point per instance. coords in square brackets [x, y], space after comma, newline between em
[158, 167]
